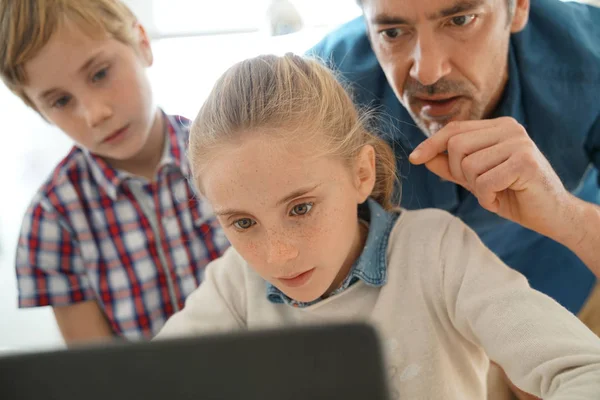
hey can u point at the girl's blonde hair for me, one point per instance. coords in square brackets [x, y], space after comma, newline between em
[26, 26]
[292, 96]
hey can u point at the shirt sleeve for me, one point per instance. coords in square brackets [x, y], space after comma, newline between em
[49, 266]
[218, 305]
[544, 349]
[592, 146]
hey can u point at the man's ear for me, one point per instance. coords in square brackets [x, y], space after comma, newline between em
[520, 16]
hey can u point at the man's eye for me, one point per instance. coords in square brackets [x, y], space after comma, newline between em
[301, 209]
[462, 20]
[244, 223]
[393, 33]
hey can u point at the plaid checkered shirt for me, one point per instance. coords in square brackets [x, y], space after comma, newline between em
[138, 248]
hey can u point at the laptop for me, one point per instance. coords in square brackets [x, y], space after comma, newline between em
[333, 362]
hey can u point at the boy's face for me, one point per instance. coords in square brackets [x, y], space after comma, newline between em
[95, 89]
[291, 215]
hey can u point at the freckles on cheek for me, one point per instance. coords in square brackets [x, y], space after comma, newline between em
[249, 249]
[321, 232]
[311, 235]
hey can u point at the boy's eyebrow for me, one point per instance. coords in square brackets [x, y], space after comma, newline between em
[90, 61]
[291, 196]
[46, 93]
[459, 7]
[83, 68]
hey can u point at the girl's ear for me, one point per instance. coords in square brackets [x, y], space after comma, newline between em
[365, 173]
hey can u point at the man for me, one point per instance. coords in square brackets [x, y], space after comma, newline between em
[502, 96]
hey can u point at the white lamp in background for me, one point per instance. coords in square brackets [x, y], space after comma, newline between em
[282, 18]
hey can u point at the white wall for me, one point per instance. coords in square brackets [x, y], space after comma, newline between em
[592, 2]
[34, 148]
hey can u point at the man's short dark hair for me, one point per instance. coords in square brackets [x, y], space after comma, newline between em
[510, 3]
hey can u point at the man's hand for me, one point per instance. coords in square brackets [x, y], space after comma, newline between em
[497, 161]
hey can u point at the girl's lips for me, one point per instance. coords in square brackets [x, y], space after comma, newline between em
[297, 280]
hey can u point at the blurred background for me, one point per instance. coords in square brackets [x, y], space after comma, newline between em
[194, 41]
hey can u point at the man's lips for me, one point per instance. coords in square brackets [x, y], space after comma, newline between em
[437, 107]
[435, 98]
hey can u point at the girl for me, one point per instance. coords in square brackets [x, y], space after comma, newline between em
[303, 192]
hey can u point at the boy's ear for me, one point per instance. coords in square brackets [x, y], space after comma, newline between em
[365, 172]
[143, 43]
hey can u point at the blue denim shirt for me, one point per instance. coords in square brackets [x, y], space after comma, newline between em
[553, 90]
[371, 265]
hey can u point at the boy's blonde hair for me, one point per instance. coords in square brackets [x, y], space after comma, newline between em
[27, 25]
[291, 96]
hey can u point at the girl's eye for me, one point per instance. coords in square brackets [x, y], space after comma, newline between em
[244, 224]
[301, 209]
[462, 20]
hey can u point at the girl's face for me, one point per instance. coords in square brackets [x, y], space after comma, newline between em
[290, 214]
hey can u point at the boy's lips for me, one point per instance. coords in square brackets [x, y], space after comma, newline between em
[115, 135]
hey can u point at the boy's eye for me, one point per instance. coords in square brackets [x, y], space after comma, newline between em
[98, 76]
[462, 20]
[244, 223]
[61, 102]
[301, 209]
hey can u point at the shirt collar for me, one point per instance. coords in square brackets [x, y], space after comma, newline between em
[177, 143]
[371, 265]
[110, 179]
[511, 102]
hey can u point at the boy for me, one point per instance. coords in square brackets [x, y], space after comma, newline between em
[115, 239]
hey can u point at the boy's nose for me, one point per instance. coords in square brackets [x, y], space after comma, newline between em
[96, 112]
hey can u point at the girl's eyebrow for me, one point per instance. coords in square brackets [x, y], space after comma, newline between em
[296, 193]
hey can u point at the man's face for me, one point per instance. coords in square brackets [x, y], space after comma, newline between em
[446, 60]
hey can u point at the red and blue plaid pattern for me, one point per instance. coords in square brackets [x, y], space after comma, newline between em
[139, 248]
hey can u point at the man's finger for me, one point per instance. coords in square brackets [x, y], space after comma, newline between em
[488, 185]
[440, 166]
[438, 143]
[468, 144]
[481, 161]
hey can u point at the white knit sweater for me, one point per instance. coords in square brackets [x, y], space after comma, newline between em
[449, 303]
